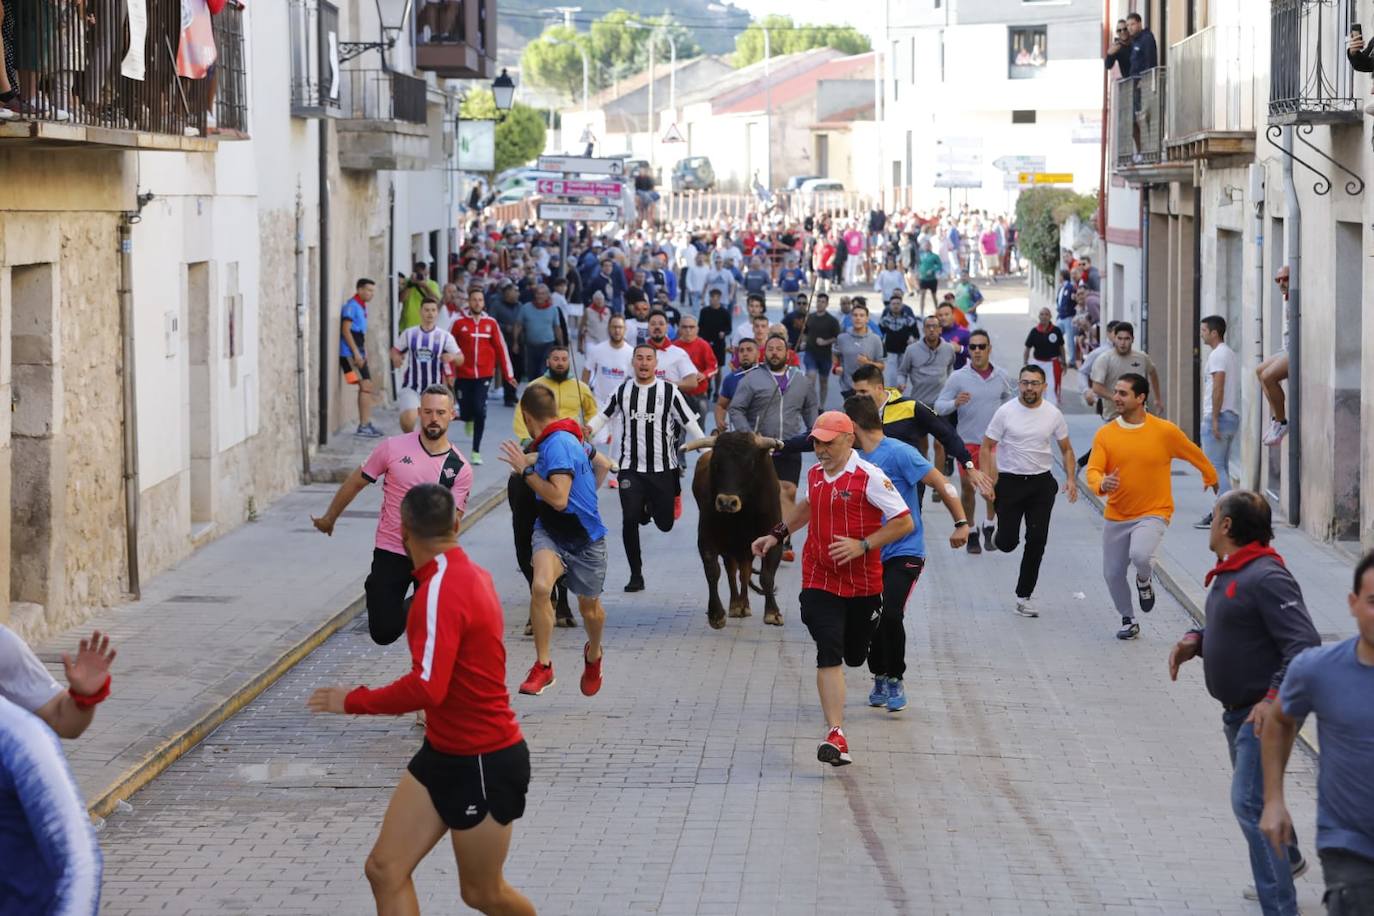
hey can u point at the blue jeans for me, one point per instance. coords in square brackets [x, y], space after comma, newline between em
[1218, 448]
[1273, 873]
[1066, 328]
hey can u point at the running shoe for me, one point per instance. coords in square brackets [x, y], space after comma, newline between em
[1146, 591]
[372, 428]
[538, 680]
[368, 431]
[467, 428]
[591, 673]
[834, 750]
[973, 546]
[1204, 522]
[988, 532]
[1025, 608]
[636, 583]
[529, 627]
[613, 483]
[677, 507]
[789, 555]
[896, 695]
[1129, 629]
[1299, 869]
[476, 458]
[878, 695]
[1275, 433]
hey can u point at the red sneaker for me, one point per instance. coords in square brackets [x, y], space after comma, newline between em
[613, 483]
[788, 555]
[677, 507]
[834, 750]
[591, 673]
[538, 680]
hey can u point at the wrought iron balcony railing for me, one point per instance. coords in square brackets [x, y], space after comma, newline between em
[380, 95]
[1138, 107]
[1310, 80]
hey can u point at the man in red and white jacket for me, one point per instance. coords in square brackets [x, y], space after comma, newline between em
[484, 352]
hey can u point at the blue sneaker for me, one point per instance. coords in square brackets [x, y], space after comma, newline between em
[878, 695]
[896, 696]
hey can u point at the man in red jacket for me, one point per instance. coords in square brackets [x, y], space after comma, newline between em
[703, 358]
[484, 352]
[470, 777]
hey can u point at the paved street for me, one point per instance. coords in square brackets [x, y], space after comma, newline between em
[1042, 766]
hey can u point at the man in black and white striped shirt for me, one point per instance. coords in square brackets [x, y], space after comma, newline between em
[652, 412]
[432, 352]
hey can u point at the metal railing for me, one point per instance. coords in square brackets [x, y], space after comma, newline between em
[1309, 77]
[314, 27]
[76, 64]
[1138, 111]
[1220, 94]
[380, 95]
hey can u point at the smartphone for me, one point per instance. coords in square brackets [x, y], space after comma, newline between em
[1356, 30]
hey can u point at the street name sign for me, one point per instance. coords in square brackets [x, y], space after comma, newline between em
[1033, 178]
[1019, 163]
[582, 165]
[565, 188]
[591, 213]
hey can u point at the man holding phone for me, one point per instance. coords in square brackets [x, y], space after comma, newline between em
[414, 290]
[1120, 51]
[1359, 57]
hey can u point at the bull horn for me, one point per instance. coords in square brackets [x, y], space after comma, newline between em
[707, 442]
[763, 442]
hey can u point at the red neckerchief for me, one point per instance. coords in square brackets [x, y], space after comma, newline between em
[1043, 328]
[597, 308]
[1242, 558]
[568, 425]
[666, 344]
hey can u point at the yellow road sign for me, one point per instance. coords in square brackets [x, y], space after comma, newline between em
[1044, 177]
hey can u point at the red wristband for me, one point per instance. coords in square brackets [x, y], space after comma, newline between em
[87, 700]
[779, 531]
[1272, 695]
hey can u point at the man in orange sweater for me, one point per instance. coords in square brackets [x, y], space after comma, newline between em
[1129, 465]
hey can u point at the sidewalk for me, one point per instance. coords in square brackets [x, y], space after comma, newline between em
[217, 629]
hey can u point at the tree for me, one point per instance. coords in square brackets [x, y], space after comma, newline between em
[786, 37]
[1039, 214]
[554, 61]
[616, 45]
[519, 138]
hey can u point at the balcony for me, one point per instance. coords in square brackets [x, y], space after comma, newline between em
[456, 39]
[1138, 121]
[83, 85]
[384, 123]
[315, 74]
[1310, 81]
[1215, 117]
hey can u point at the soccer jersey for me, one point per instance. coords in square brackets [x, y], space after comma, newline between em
[852, 504]
[405, 462]
[651, 417]
[579, 523]
[425, 350]
[609, 367]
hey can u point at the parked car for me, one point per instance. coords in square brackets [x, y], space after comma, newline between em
[817, 185]
[796, 181]
[693, 174]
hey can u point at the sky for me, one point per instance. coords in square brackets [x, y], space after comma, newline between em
[857, 13]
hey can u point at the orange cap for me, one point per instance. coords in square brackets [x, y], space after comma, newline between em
[830, 424]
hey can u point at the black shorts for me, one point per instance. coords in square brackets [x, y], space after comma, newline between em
[346, 365]
[841, 627]
[788, 467]
[931, 284]
[386, 589]
[465, 789]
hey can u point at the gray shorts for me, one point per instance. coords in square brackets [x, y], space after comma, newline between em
[585, 569]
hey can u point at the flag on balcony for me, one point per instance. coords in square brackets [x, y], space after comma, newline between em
[196, 53]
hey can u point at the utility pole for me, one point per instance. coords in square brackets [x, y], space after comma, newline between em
[566, 12]
[767, 110]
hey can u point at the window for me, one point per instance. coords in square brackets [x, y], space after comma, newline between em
[1026, 52]
[1023, 116]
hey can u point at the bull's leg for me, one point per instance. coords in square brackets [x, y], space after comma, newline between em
[768, 575]
[741, 609]
[715, 612]
[732, 579]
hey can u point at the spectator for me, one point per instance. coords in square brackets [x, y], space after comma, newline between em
[1119, 54]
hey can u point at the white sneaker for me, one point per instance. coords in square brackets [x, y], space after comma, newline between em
[53, 112]
[1275, 433]
[1025, 608]
[210, 122]
[7, 114]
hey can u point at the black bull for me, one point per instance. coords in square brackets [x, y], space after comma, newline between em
[736, 489]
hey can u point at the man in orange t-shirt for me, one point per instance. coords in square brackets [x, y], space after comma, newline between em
[1129, 464]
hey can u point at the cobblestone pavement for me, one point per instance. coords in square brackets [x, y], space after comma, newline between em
[1042, 766]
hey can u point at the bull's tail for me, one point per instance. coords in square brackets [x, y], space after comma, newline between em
[758, 571]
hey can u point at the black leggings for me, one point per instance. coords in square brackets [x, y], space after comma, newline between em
[388, 591]
[645, 497]
[472, 406]
[1028, 496]
[887, 653]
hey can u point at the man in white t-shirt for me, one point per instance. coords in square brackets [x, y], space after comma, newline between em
[26, 683]
[1018, 452]
[1220, 404]
[606, 369]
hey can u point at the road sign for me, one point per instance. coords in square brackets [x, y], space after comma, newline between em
[673, 135]
[959, 162]
[564, 188]
[1044, 177]
[591, 213]
[588, 165]
[1019, 163]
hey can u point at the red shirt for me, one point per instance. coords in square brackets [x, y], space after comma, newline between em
[851, 505]
[484, 349]
[458, 674]
[704, 358]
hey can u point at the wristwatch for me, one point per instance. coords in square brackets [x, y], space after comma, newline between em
[864, 544]
[969, 464]
[529, 469]
[961, 523]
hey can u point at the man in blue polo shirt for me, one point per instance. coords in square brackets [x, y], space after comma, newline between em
[904, 558]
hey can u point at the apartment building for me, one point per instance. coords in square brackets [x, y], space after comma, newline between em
[175, 247]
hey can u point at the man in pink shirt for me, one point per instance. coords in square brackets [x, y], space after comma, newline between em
[404, 460]
[854, 244]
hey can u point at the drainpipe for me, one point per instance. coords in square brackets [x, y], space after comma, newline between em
[1144, 330]
[302, 297]
[126, 321]
[1102, 146]
[391, 275]
[1292, 249]
[325, 367]
[1197, 301]
[1257, 176]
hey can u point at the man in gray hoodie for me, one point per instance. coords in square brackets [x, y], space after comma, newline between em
[777, 402]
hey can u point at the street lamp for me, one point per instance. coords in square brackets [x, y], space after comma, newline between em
[503, 91]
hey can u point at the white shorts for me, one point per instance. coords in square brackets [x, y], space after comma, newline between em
[408, 399]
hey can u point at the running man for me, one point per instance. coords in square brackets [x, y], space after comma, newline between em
[842, 575]
[973, 394]
[569, 538]
[653, 415]
[431, 350]
[1129, 465]
[1017, 451]
[1044, 347]
[606, 369]
[405, 461]
[904, 558]
[776, 402]
[470, 776]
[484, 354]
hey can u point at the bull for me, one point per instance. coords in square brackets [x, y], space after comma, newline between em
[736, 491]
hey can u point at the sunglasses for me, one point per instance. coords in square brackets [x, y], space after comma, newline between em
[974, 346]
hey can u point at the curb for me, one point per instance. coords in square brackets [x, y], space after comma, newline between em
[1187, 592]
[179, 743]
